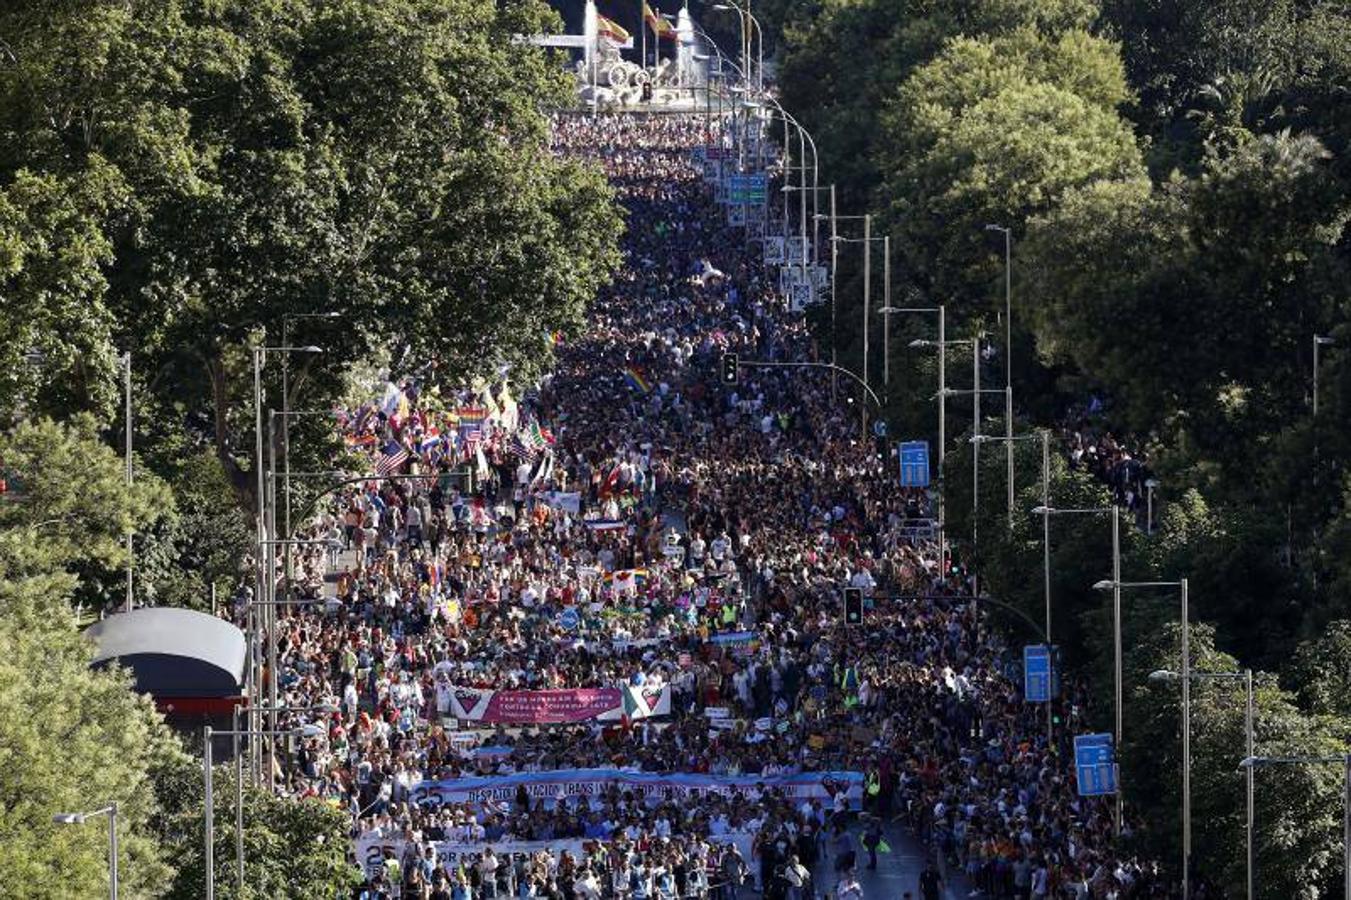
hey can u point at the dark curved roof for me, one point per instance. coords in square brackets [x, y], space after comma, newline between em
[173, 652]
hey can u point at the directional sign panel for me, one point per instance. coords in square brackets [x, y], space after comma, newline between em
[799, 249]
[914, 456]
[1095, 765]
[1037, 673]
[747, 188]
[773, 250]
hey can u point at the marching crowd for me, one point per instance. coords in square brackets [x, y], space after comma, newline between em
[670, 533]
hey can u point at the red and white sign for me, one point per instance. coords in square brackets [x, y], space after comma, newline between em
[570, 705]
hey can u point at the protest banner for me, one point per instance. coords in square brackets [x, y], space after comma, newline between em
[654, 787]
[370, 849]
[494, 707]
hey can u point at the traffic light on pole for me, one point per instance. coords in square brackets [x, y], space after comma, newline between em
[853, 606]
[729, 368]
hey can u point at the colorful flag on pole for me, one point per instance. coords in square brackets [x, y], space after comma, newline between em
[391, 457]
[633, 377]
[660, 27]
[517, 448]
[611, 31]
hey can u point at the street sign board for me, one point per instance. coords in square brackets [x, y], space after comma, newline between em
[773, 250]
[801, 296]
[750, 187]
[1095, 767]
[914, 459]
[880, 427]
[1037, 673]
[799, 249]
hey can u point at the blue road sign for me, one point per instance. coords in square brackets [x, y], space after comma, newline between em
[569, 618]
[880, 428]
[748, 188]
[1037, 673]
[1095, 765]
[914, 456]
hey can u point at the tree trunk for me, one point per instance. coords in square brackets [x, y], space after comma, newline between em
[239, 479]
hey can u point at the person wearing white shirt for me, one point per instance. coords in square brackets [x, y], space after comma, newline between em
[797, 876]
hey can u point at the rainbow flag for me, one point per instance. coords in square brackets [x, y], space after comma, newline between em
[626, 581]
[633, 377]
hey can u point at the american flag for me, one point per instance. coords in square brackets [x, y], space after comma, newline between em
[518, 448]
[393, 456]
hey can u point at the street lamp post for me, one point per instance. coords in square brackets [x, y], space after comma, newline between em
[286, 320]
[867, 296]
[1045, 437]
[867, 241]
[886, 312]
[209, 807]
[1253, 762]
[942, 344]
[1008, 351]
[78, 818]
[747, 36]
[1150, 485]
[1249, 723]
[131, 555]
[1115, 586]
[1046, 511]
[1319, 340]
[262, 576]
[975, 460]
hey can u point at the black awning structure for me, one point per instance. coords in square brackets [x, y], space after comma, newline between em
[173, 653]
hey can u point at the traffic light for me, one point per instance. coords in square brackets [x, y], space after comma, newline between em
[729, 368]
[853, 606]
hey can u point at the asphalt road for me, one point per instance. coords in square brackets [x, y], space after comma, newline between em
[896, 873]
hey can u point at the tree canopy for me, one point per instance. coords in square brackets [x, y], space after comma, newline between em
[1175, 179]
[216, 167]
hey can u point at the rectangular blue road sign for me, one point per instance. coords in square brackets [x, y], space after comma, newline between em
[1095, 765]
[914, 456]
[749, 188]
[1037, 673]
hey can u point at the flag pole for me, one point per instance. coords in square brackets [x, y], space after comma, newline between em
[642, 27]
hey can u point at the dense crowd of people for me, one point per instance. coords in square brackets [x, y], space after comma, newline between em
[668, 532]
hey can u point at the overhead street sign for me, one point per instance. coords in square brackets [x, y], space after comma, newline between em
[747, 188]
[1037, 673]
[914, 458]
[1095, 767]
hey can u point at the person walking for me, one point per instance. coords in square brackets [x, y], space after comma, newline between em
[798, 877]
[872, 837]
[930, 883]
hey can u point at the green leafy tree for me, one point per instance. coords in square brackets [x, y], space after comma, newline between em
[998, 132]
[277, 159]
[69, 489]
[1240, 256]
[291, 848]
[1320, 673]
[58, 355]
[71, 739]
[1298, 837]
